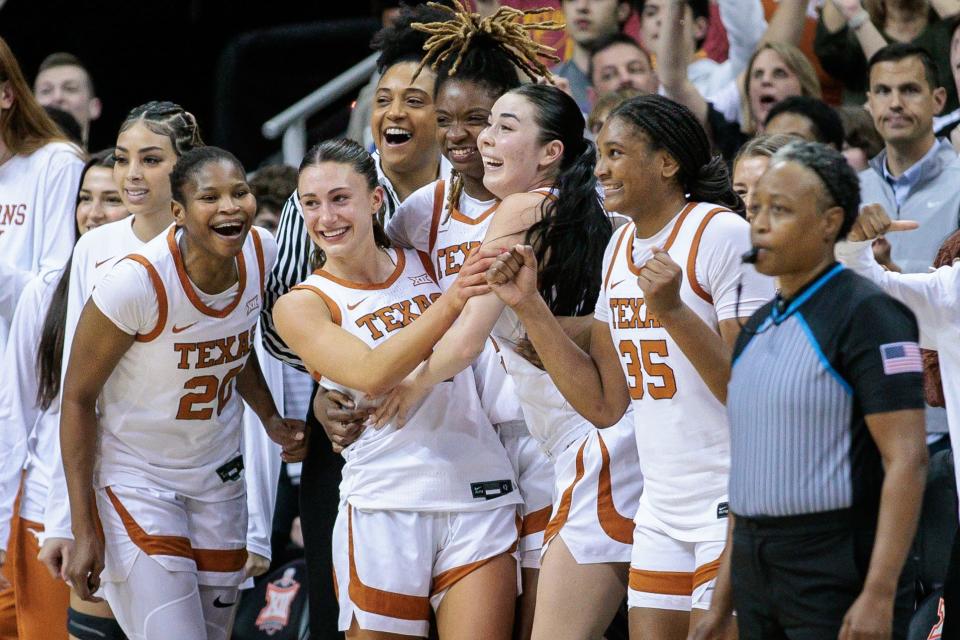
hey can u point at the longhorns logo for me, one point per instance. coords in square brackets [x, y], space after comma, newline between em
[275, 614]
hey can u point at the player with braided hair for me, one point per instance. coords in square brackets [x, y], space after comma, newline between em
[475, 65]
[665, 321]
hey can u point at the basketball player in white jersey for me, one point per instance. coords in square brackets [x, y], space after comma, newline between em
[442, 484]
[30, 415]
[666, 315]
[537, 160]
[449, 218]
[162, 349]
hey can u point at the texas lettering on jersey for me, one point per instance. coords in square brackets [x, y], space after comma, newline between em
[395, 316]
[630, 313]
[210, 353]
[450, 259]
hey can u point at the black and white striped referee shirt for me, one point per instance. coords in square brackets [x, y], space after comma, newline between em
[805, 373]
[294, 260]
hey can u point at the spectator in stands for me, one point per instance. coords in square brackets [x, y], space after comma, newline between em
[946, 125]
[916, 176]
[272, 186]
[807, 118]
[605, 106]
[588, 22]
[851, 31]
[64, 82]
[618, 62]
[752, 161]
[676, 31]
[39, 175]
[861, 141]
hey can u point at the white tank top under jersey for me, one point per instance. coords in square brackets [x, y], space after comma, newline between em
[170, 415]
[446, 457]
[426, 223]
[681, 428]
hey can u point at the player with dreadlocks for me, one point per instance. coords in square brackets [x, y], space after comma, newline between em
[661, 341]
[591, 528]
[476, 61]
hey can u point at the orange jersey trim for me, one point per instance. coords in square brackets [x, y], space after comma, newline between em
[612, 522]
[563, 510]
[634, 269]
[427, 265]
[335, 314]
[435, 218]
[188, 286]
[692, 258]
[445, 580]
[616, 250]
[401, 263]
[461, 217]
[258, 248]
[161, 298]
[536, 521]
[377, 601]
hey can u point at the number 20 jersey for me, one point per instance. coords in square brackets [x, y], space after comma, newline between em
[680, 426]
[170, 413]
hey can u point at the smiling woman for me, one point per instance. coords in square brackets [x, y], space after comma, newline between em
[157, 427]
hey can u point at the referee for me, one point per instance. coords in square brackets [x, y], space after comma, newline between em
[828, 455]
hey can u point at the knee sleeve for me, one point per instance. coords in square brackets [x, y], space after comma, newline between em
[156, 604]
[87, 627]
[219, 605]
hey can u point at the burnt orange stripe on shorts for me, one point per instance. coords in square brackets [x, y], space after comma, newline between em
[666, 583]
[706, 573]
[563, 510]
[616, 526]
[149, 544]
[445, 580]
[220, 560]
[377, 601]
[536, 521]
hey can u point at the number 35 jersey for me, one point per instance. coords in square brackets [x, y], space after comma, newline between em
[170, 415]
[680, 426]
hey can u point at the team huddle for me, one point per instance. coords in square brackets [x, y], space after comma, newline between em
[535, 348]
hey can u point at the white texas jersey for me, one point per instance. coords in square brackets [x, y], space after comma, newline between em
[681, 427]
[169, 413]
[425, 222]
[446, 457]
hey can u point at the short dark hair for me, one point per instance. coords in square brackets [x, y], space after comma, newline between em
[608, 41]
[401, 42]
[190, 163]
[859, 130]
[64, 59]
[897, 51]
[841, 186]
[827, 126]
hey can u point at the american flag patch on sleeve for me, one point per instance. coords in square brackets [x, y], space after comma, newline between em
[901, 357]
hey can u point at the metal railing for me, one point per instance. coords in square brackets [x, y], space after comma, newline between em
[291, 123]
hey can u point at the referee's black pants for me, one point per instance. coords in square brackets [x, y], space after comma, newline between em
[795, 577]
[319, 499]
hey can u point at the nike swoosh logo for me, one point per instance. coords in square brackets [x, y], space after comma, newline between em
[223, 605]
[351, 307]
[177, 329]
[97, 265]
[616, 283]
